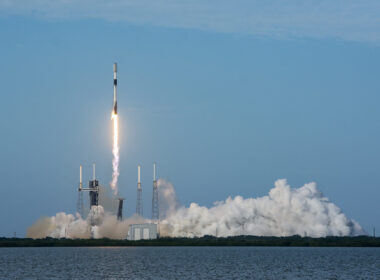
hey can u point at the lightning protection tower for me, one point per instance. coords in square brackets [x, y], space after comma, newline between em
[139, 205]
[80, 207]
[155, 213]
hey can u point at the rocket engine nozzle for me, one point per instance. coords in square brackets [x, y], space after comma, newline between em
[115, 108]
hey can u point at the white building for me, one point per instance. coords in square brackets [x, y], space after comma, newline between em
[142, 231]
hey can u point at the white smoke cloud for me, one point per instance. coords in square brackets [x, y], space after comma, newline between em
[168, 201]
[98, 224]
[285, 211]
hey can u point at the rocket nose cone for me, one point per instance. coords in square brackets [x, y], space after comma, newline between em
[115, 67]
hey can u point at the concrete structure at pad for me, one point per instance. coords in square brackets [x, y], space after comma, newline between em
[142, 231]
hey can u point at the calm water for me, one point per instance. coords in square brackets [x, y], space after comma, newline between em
[190, 263]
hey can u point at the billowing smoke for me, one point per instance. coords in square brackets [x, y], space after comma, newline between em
[98, 224]
[285, 211]
[168, 201]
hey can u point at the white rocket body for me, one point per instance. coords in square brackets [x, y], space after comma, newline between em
[115, 88]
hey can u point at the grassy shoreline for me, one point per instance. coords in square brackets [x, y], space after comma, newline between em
[291, 241]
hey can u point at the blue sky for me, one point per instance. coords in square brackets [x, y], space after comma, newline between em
[226, 98]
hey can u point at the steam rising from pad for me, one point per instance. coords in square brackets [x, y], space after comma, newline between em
[284, 211]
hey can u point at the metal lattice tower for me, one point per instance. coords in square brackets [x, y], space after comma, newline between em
[80, 206]
[93, 191]
[93, 185]
[155, 210]
[139, 204]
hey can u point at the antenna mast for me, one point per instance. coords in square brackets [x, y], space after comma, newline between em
[80, 207]
[139, 205]
[155, 210]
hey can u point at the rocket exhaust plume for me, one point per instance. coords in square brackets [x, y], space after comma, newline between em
[285, 211]
[115, 144]
[115, 152]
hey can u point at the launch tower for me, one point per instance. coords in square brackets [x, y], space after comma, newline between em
[93, 189]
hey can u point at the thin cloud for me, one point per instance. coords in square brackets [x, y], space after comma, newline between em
[346, 20]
